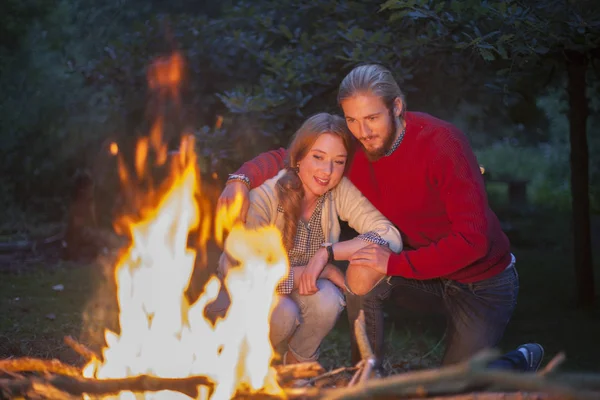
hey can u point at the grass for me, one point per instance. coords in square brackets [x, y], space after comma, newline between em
[35, 317]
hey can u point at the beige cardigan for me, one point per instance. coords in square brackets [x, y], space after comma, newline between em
[345, 202]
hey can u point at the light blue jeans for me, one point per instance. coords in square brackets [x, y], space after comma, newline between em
[303, 321]
[298, 323]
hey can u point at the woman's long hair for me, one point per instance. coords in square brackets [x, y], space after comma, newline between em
[289, 187]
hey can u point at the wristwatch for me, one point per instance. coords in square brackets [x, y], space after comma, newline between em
[329, 248]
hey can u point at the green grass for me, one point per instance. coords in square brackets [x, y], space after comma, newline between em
[35, 317]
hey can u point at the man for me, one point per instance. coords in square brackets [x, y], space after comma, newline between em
[422, 174]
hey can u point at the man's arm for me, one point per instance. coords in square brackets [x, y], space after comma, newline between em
[262, 167]
[251, 175]
[455, 172]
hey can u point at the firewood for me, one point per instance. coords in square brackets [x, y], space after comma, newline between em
[27, 364]
[328, 374]
[77, 386]
[366, 352]
[357, 374]
[588, 380]
[42, 391]
[500, 396]
[87, 354]
[305, 370]
[362, 339]
[456, 379]
[553, 364]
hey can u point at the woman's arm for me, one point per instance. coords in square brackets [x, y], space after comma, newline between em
[373, 227]
[361, 215]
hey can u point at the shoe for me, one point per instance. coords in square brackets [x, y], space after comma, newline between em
[535, 355]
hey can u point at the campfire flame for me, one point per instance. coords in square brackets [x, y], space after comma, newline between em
[161, 333]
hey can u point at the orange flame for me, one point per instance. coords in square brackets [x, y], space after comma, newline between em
[161, 333]
[165, 75]
[113, 148]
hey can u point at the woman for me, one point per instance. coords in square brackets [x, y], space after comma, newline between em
[304, 201]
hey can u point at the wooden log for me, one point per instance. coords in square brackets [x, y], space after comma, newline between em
[362, 339]
[83, 351]
[305, 370]
[366, 352]
[327, 375]
[458, 379]
[553, 364]
[587, 380]
[27, 364]
[77, 386]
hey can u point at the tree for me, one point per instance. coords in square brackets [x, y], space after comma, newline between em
[528, 40]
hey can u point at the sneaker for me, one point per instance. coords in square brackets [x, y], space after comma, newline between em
[534, 353]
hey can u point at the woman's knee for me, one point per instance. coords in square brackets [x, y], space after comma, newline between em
[328, 301]
[285, 318]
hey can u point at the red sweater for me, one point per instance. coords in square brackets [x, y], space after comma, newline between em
[431, 188]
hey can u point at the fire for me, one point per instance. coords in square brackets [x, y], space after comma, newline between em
[161, 333]
[114, 148]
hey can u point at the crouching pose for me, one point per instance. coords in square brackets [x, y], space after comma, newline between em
[304, 201]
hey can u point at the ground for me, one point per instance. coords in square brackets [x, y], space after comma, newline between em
[43, 300]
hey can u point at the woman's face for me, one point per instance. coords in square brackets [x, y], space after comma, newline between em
[323, 166]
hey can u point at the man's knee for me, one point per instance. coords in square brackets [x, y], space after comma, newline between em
[362, 280]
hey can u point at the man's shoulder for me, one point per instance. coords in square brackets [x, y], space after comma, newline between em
[267, 190]
[427, 123]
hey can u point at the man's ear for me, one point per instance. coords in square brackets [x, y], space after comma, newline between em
[398, 106]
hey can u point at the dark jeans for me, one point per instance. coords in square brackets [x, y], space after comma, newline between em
[477, 313]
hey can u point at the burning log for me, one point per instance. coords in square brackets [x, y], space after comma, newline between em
[36, 365]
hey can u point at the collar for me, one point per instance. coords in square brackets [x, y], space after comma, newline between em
[396, 142]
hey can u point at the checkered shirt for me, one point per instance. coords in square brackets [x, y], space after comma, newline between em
[309, 238]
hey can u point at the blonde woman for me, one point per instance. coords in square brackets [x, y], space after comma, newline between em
[304, 201]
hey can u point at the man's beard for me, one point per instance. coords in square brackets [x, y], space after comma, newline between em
[376, 154]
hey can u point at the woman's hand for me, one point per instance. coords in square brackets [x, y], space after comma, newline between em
[308, 280]
[298, 271]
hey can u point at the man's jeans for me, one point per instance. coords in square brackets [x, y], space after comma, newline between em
[298, 323]
[477, 313]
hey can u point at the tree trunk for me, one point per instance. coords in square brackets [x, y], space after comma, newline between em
[578, 114]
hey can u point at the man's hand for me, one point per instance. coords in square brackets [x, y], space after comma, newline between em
[336, 276]
[372, 256]
[233, 190]
[308, 280]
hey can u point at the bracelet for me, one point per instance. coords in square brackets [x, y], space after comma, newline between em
[239, 177]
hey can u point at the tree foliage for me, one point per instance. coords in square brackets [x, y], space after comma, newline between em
[77, 78]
